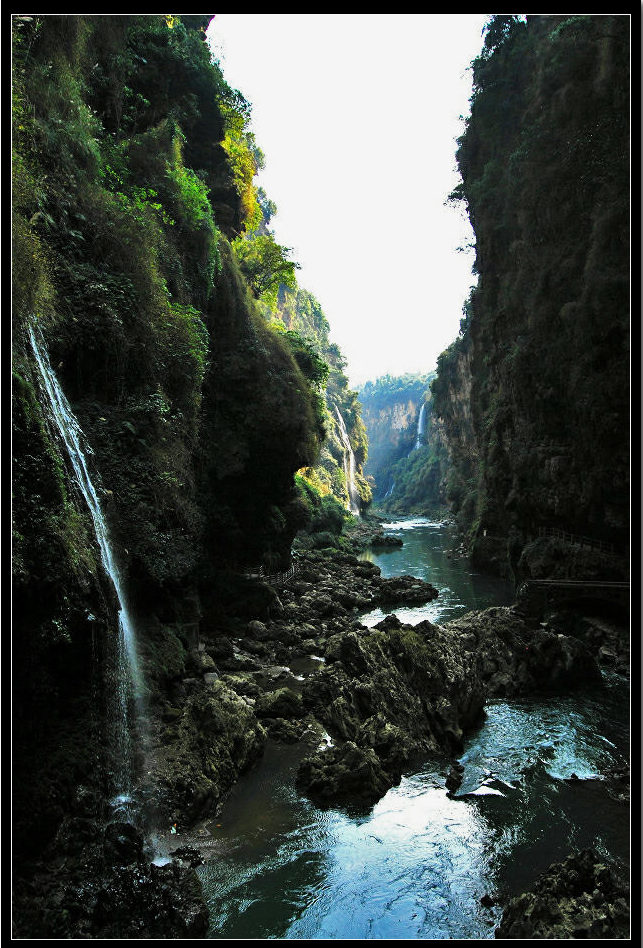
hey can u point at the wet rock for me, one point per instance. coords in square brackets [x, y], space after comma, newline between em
[454, 777]
[188, 855]
[579, 898]
[123, 843]
[385, 540]
[220, 647]
[406, 590]
[283, 703]
[346, 774]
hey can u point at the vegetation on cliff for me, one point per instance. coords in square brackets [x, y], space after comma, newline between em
[133, 167]
[409, 467]
[544, 350]
[301, 316]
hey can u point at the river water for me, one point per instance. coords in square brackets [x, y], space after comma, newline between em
[419, 863]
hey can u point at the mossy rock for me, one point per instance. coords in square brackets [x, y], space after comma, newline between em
[283, 703]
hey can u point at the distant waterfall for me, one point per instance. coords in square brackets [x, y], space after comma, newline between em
[389, 491]
[128, 678]
[349, 467]
[420, 439]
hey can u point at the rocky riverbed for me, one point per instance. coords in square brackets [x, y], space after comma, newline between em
[578, 898]
[386, 696]
[364, 704]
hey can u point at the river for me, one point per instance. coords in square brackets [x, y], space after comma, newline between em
[419, 863]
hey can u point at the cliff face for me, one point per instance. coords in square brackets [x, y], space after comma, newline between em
[298, 311]
[407, 448]
[391, 435]
[451, 391]
[196, 414]
[390, 408]
[534, 396]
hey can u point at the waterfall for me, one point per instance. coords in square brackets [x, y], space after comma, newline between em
[349, 468]
[420, 440]
[127, 672]
[389, 491]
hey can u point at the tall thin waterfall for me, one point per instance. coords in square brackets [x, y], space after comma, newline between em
[419, 440]
[349, 467]
[127, 672]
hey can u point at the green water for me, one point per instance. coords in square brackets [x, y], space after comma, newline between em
[426, 553]
[418, 864]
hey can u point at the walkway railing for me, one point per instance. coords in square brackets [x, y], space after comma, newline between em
[575, 540]
[273, 579]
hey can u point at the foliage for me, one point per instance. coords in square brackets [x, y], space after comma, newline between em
[265, 265]
[389, 389]
[192, 193]
[406, 480]
[324, 515]
[244, 156]
[126, 137]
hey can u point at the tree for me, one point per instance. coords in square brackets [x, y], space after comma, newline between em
[265, 265]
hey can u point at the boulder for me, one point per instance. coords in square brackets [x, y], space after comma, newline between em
[283, 703]
[123, 843]
[581, 897]
[346, 774]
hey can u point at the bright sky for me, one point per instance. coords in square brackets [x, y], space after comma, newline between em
[357, 116]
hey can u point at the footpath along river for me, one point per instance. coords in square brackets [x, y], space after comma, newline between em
[419, 863]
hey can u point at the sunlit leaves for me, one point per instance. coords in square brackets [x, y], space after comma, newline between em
[265, 265]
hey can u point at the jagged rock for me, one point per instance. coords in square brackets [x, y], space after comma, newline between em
[346, 774]
[406, 589]
[151, 902]
[454, 777]
[386, 540]
[283, 703]
[396, 691]
[286, 732]
[123, 843]
[578, 898]
[217, 737]
[220, 647]
[257, 630]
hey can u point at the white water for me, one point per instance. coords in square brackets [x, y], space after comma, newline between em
[349, 468]
[419, 440]
[127, 668]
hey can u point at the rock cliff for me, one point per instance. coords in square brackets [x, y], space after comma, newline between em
[534, 394]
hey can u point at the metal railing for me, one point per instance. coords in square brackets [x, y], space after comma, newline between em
[272, 578]
[576, 540]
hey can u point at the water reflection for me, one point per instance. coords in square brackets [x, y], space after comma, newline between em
[415, 867]
[419, 864]
[426, 553]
